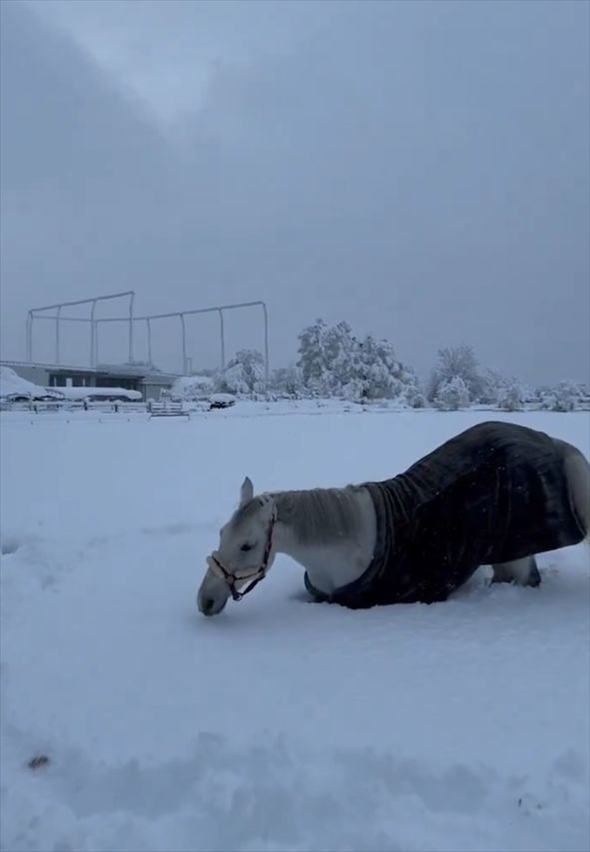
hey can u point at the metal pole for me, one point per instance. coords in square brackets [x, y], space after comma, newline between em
[222, 335]
[131, 298]
[29, 337]
[186, 313]
[96, 344]
[149, 339]
[92, 334]
[57, 360]
[31, 344]
[51, 317]
[266, 365]
[183, 327]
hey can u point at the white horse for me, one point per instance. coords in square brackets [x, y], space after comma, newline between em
[496, 494]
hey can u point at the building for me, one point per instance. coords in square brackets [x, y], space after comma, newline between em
[138, 377]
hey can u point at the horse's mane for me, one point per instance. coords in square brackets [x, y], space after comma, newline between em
[320, 515]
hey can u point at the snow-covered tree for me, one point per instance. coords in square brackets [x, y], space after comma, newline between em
[493, 383]
[244, 373]
[511, 396]
[325, 357]
[563, 397]
[341, 357]
[457, 362]
[412, 388]
[287, 381]
[368, 374]
[452, 394]
[505, 392]
[333, 362]
[312, 357]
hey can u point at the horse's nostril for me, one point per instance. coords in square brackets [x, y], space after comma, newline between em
[210, 605]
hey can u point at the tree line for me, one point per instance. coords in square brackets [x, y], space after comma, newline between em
[334, 362]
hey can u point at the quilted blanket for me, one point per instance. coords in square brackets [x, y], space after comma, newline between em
[494, 493]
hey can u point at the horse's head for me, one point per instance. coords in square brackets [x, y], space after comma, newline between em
[244, 555]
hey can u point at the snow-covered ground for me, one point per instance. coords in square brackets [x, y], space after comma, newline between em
[281, 724]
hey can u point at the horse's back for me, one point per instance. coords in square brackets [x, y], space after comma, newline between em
[495, 493]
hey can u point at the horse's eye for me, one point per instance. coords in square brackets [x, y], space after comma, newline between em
[246, 547]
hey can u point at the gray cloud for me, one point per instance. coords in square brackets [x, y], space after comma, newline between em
[420, 170]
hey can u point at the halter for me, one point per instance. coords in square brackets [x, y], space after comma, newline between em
[255, 575]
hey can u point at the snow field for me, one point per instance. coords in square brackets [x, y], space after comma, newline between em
[281, 724]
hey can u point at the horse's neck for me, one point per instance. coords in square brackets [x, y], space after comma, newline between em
[329, 531]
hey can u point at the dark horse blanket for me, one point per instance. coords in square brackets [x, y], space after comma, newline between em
[494, 493]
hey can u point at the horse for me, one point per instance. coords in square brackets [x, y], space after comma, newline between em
[496, 494]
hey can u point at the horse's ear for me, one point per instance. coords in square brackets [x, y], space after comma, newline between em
[246, 491]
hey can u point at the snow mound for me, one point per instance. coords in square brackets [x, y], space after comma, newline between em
[222, 400]
[192, 387]
[273, 797]
[104, 393]
[12, 383]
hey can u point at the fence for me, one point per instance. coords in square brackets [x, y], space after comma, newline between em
[178, 408]
[76, 405]
[165, 408]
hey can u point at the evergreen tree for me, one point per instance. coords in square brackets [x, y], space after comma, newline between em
[333, 362]
[312, 359]
[244, 373]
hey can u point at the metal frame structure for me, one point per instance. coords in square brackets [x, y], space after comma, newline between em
[39, 313]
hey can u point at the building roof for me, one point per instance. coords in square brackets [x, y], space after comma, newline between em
[146, 372]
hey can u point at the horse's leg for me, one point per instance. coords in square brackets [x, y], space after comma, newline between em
[521, 572]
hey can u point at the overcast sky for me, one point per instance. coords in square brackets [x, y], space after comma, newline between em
[418, 169]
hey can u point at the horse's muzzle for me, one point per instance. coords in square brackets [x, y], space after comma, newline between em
[208, 605]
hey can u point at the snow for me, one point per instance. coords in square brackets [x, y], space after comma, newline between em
[83, 392]
[223, 399]
[192, 386]
[281, 724]
[11, 382]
